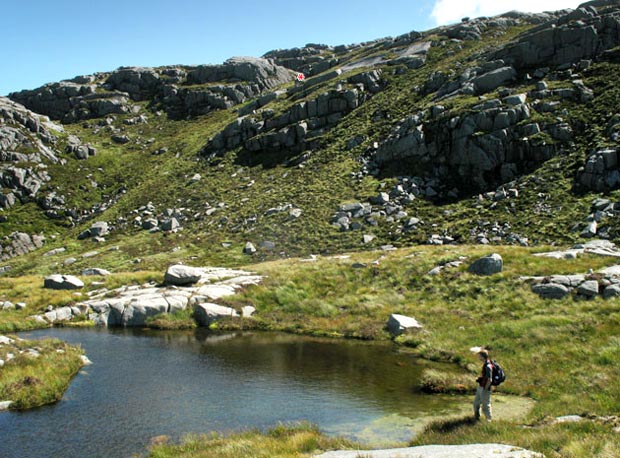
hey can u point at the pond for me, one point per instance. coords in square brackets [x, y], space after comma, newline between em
[145, 384]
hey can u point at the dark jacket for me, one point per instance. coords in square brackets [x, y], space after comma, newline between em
[486, 375]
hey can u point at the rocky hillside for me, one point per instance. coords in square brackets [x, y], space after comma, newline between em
[494, 130]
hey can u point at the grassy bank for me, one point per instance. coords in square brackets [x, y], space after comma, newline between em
[280, 442]
[39, 372]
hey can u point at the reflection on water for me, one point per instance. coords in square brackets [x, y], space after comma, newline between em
[144, 384]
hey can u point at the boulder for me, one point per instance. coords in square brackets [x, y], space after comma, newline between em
[63, 314]
[149, 224]
[551, 291]
[142, 308]
[611, 291]
[206, 313]
[588, 288]
[590, 230]
[489, 265]
[5, 405]
[171, 224]
[62, 282]
[180, 275]
[99, 229]
[399, 324]
[120, 139]
[7, 306]
[494, 79]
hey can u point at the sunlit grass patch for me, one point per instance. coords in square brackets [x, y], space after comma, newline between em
[280, 442]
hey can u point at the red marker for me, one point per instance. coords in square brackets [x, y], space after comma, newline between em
[301, 77]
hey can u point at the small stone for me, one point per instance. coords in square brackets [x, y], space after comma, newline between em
[249, 248]
[368, 238]
[569, 419]
[96, 271]
[295, 213]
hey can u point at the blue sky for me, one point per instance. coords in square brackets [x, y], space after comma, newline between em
[46, 41]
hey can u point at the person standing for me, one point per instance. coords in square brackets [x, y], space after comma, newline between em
[483, 392]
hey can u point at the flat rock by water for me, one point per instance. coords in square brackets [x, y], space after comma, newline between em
[439, 451]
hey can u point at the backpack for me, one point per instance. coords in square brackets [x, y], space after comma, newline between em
[498, 375]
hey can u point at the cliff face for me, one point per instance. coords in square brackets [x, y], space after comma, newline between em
[457, 134]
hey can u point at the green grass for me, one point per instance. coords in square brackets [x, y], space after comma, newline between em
[182, 319]
[563, 354]
[31, 381]
[280, 442]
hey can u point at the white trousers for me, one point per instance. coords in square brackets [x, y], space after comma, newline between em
[483, 398]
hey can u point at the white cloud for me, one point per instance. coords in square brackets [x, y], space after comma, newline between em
[449, 11]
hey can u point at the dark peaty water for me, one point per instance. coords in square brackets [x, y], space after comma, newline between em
[145, 384]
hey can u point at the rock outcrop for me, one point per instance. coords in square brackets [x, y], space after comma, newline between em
[182, 91]
[584, 33]
[475, 150]
[134, 305]
[601, 172]
[605, 283]
[70, 101]
[293, 130]
[19, 243]
[27, 145]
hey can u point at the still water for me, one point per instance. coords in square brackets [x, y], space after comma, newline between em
[145, 384]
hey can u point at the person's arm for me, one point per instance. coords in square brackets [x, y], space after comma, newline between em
[488, 375]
